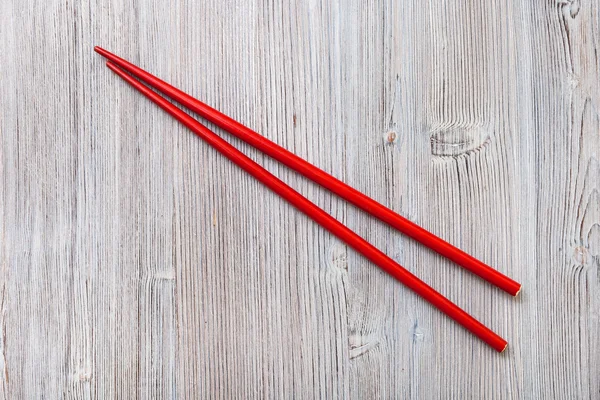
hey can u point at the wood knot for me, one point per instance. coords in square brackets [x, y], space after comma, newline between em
[361, 344]
[570, 7]
[82, 375]
[338, 257]
[455, 139]
[574, 7]
[391, 137]
[417, 333]
[593, 239]
[580, 255]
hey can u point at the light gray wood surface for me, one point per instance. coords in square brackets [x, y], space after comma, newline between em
[136, 262]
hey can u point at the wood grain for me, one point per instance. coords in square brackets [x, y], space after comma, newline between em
[138, 263]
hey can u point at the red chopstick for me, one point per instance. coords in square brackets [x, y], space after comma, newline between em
[320, 216]
[321, 177]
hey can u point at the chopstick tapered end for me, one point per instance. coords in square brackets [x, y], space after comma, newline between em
[101, 51]
[114, 67]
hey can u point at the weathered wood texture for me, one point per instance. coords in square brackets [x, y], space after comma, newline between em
[138, 263]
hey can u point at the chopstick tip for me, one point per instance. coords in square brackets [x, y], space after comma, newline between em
[505, 346]
[112, 66]
[100, 51]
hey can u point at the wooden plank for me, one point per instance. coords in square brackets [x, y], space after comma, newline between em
[568, 146]
[137, 262]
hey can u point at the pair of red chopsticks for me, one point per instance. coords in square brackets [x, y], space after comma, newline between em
[121, 67]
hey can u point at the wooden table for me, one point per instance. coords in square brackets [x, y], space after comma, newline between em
[135, 262]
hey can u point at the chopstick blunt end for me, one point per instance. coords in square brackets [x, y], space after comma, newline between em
[518, 291]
